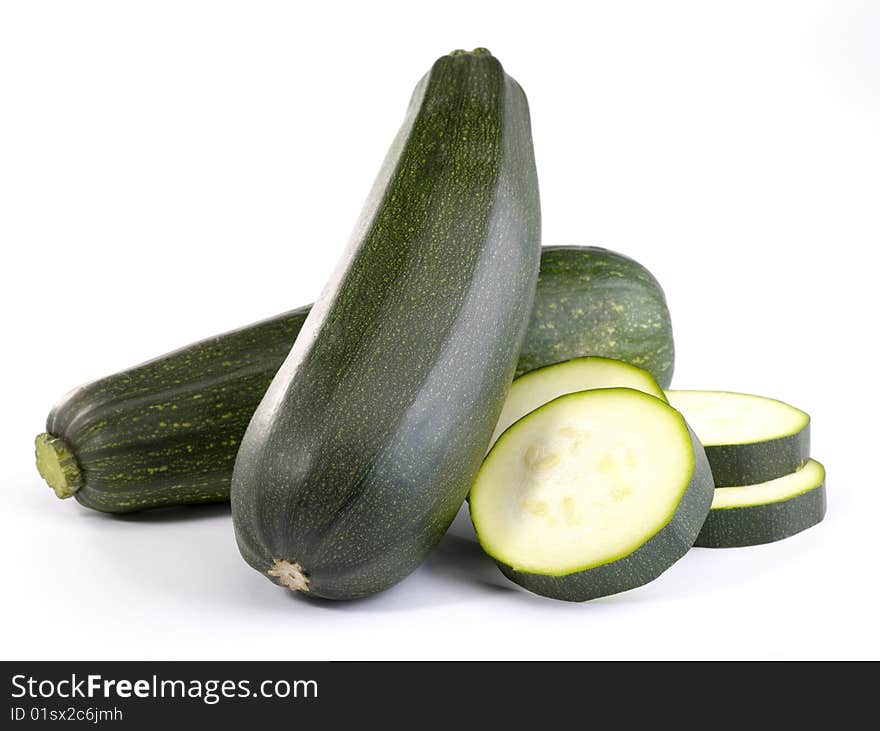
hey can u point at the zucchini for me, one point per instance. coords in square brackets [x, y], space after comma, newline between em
[592, 494]
[165, 432]
[770, 511]
[748, 439]
[369, 437]
[592, 301]
[537, 387]
[111, 444]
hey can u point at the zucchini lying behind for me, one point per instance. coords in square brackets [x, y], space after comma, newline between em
[597, 302]
[166, 432]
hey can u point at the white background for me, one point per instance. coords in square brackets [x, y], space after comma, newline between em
[169, 170]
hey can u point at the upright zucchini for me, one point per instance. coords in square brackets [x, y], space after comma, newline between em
[370, 435]
[112, 446]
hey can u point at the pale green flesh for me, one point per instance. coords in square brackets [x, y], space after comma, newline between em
[540, 386]
[581, 481]
[809, 477]
[721, 417]
[57, 465]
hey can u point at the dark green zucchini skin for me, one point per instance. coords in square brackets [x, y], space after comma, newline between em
[592, 301]
[751, 464]
[371, 433]
[166, 432]
[644, 564]
[753, 525]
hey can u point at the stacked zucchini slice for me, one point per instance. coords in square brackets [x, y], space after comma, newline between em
[767, 487]
[598, 481]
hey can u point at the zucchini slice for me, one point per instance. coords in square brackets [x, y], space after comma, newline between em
[592, 494]
[749, 515]
[748, 439]
[537, 387]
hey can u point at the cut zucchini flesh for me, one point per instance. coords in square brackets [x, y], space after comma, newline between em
[539, 386]
[749, 515]
[723, 417]
[748, 439]
[593, 493]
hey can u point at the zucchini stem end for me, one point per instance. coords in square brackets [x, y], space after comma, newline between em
[57, 465]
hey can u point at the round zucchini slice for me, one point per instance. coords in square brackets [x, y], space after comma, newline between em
[748, 439]
[591, 494]
[539, 386]
[750, 515]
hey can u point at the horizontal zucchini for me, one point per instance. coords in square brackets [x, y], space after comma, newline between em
[369, 436]
[166, 432]
[539, 386]
[593, 493]
[750, 515]
[748, 439]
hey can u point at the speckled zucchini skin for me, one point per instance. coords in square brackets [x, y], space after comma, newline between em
[369, 437]
[753, 525]
[166, 432]
[644, 564]
[751, 464]
[592, 301]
